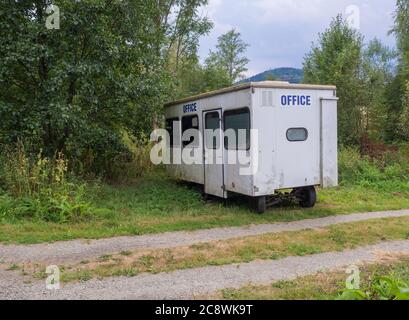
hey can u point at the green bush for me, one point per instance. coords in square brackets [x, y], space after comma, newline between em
[38, 188]
[388, 174]
[126, 169]
[382, 288]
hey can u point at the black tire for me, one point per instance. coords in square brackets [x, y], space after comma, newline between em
[307, 197]
[260, 205]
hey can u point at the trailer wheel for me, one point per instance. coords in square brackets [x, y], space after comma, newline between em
[307, 197]
[260, 205]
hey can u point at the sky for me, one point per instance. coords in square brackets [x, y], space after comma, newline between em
[280, 32]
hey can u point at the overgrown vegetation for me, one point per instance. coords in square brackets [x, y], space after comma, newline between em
[371, 79]
[380, 288]
[102, 78]
[38, 188]
[385, 280]
[77, 106]
[386, 171]
[156, 203]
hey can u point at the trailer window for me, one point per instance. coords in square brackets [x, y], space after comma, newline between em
[170, 123]
[236, 121]
[212, 123]
[297, 134]
[189, 123]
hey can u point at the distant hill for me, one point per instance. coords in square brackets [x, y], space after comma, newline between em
[291, 75]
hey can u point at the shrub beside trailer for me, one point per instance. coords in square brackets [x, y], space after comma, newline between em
[295, 148]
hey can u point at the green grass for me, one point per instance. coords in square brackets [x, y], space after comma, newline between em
[159, 204]
[13, 267]
[322, 286]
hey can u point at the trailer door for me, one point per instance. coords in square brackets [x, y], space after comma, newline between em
[213, 153]
[329, 143]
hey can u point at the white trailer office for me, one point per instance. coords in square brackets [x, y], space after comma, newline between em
[290, 140]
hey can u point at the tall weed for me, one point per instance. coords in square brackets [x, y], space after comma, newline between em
[38, 187]
[128, 169]
[389, 174]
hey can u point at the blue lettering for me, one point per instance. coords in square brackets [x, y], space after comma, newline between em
[188, 108]
[293, 100]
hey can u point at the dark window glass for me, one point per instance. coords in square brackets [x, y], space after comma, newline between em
[237, 120]
[188, 123]
[297, 134]
[170, 123]
[212, 122]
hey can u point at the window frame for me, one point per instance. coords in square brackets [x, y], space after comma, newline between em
[174, 119]
[184, 144]
[219, 115]
[298, 128]
[233, 112]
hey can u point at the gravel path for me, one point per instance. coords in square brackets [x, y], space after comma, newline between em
[78, 250]
[184, 284]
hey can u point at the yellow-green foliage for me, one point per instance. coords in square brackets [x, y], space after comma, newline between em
[389, 174]
[23, 176]
[37, 187]
[137, 164]
[381, 288]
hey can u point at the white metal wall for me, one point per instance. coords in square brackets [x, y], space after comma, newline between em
[284, 164]
[281, 164]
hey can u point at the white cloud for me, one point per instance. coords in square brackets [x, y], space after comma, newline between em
[280, 32]
[284, 10]
[212, 11]
[212, 7]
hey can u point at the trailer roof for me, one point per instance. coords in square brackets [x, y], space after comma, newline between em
[261, 84]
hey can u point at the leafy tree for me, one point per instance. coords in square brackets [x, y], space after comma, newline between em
[403, 124]
[336, 59]
[229, 56]
[196, 78]
[215, 77]
[377, 72]
[401, 30]
[79, 88]
[183, 26]
[396, 90]
[190, 78]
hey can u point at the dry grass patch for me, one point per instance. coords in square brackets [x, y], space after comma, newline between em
[264, 247]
